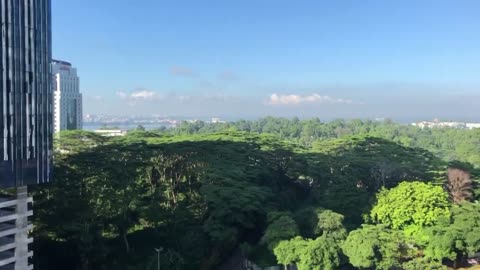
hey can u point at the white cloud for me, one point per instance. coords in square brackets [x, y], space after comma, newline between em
[276, 99]
[121, 94]
[144, 94]
[138, 96]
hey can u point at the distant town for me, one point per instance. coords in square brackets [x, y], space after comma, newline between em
[111, 125]
[111, 122]
[92, 120]
[446, 124]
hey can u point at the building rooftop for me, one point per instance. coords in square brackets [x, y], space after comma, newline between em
[61, 62]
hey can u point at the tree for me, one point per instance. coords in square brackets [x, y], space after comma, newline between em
[423, 263]
[233, 206]
[443, 243]
[308, 254]
[321, 253]
[445, 143]
[287, 251]
[282, 228]
[459, 185]
[330, 224]
[377, 162]
[307, 220]
[114, 189]
[375, 246]
[76, 141]
[314, 222]
[355, 199]
[456, 238]
[65, 221]
[410, 204]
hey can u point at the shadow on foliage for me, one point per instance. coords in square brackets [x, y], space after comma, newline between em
[198, 196]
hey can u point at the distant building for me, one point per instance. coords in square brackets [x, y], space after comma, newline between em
[473, 125]
[67, 97]
[216, 120]
[451, 124]
[438, 124]
[111, 132]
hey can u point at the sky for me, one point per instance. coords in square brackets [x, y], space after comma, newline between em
[250, 58]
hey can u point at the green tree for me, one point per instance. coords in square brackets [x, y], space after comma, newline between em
[282, 228]
[314, 222]
[423, 263]
[75, 141]
[457, 238]
[287, 251]
[232, 206]
[114, 189]
[410, 204]
[321, 253]
[375, 246]
[330, 224]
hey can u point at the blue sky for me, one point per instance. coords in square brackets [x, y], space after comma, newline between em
[250, 58]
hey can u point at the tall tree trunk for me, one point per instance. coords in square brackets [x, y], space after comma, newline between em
[125, 240]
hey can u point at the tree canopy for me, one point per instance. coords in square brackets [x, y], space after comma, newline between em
[410, 204]
[292, 191]
[375, 246]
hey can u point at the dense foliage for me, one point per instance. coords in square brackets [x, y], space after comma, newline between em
[410, 204]
[447, 143]
[374, 246]
[318, 195]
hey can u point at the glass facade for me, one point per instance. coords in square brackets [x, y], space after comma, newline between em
[26, 93]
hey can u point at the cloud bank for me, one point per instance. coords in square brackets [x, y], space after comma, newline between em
[276, 99]
[138, 95]
[402, 105]
[144, 94]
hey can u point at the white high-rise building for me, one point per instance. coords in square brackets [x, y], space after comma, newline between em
[67, 96]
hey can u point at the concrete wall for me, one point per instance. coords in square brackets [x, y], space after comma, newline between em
[14, 231]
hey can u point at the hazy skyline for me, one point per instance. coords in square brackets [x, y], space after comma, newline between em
[330, 59]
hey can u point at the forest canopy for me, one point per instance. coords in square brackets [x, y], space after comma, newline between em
[319, 195]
